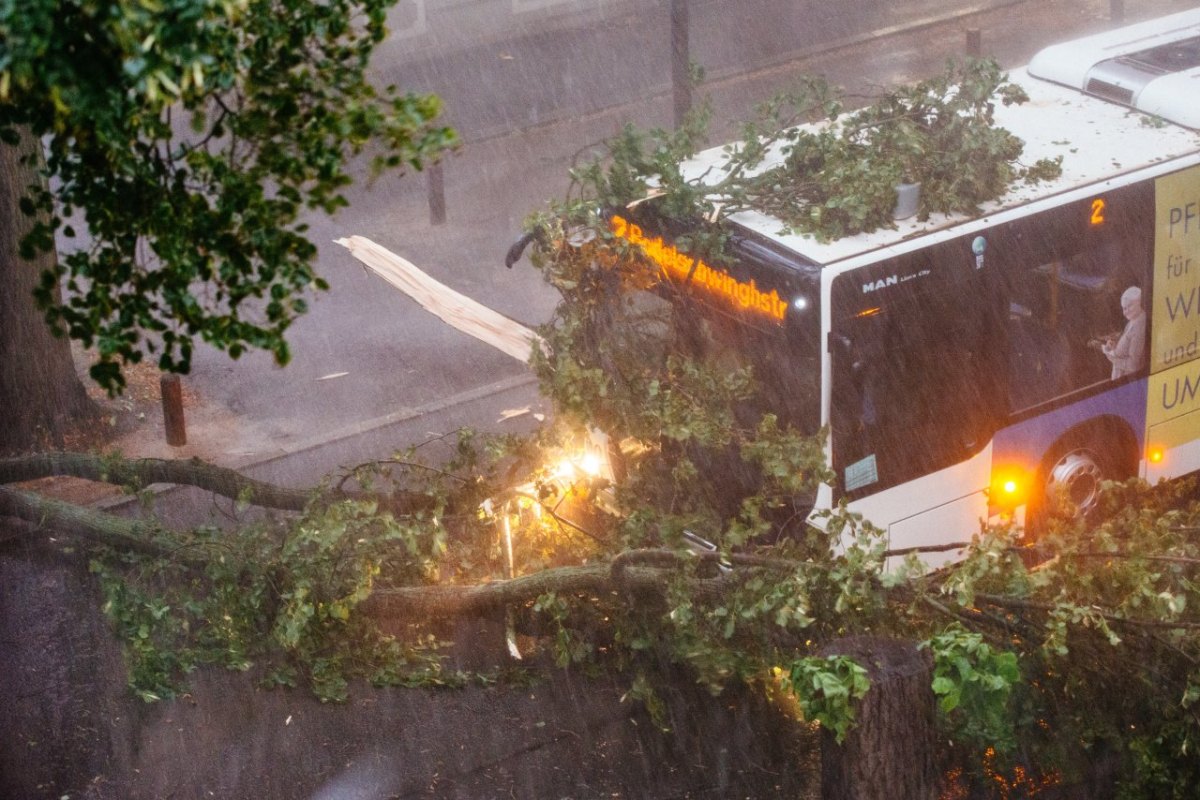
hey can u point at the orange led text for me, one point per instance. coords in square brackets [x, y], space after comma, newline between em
[744, 294]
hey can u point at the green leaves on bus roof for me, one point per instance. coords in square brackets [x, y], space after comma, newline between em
[836, 177]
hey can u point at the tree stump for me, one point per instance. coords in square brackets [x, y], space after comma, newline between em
[891, 752]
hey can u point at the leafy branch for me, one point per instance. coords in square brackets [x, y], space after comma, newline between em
[835, 176]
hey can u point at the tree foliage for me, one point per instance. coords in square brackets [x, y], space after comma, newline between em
[1039, 669]
[837, 175]
[188, 139]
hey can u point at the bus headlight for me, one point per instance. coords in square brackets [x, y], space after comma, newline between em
[592, 464]
[586, 465]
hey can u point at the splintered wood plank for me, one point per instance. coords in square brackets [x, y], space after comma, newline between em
[454, 308]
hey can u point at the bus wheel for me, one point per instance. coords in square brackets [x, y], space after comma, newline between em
[1073, 473]
[1074, 481]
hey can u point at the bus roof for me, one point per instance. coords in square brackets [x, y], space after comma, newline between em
[1098, 141]
[1153, 66]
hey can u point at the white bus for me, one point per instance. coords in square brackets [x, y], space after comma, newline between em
[969, 366]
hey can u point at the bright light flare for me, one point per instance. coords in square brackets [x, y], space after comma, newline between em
[565, 470]
[1156, 455]
[591, 465]
[584, 465]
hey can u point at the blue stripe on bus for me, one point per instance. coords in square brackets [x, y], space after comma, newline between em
[1027, 442]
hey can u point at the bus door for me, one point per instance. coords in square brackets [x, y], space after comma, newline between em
[915, 367]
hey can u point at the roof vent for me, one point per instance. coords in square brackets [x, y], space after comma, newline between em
[1109, 91]
[1123, 78]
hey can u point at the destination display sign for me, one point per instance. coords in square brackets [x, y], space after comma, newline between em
[682, 267]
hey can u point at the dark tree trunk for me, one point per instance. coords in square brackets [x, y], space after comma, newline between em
[40, 392]
[139, 472]
[892, 751]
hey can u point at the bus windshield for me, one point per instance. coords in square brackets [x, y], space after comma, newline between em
[783, 361]
[755, 307]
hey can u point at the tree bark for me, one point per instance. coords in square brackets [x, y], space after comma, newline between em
[891, 751]
[40, 392]
[408, 602]
[442, 602]
[140, 472]
[145, 471]
[72, 520]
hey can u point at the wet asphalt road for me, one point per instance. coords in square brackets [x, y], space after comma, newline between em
[529, 91]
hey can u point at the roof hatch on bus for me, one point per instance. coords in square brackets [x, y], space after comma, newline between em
[1153, 66]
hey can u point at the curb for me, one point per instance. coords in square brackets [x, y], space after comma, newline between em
[371, 426]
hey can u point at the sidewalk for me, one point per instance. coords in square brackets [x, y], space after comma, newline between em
[619, 53]
[295, 424]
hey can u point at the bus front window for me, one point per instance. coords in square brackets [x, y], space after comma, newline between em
[784, 365]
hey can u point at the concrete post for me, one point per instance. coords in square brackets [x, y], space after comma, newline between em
[974, 42]
[436, 186]
[681, 73]
[1116, 10]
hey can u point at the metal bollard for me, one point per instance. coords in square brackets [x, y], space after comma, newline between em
[974, 42]
[172, 403]
[436, 185]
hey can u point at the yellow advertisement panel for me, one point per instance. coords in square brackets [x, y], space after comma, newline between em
[1175, 314]
[1174, 389]
[1174, 393]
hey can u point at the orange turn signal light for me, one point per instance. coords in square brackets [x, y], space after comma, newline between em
[1009, 487]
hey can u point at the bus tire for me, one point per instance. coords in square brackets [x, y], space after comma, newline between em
[1070, 478]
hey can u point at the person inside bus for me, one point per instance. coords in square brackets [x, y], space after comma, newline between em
[1127, 352]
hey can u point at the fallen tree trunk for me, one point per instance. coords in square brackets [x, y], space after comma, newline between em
[140, 472]
[631, 574]
[433, 602]
[72, 520]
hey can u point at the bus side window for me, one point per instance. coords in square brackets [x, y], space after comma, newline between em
[1062, 307]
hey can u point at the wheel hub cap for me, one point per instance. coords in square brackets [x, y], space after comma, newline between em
[1076, 478]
